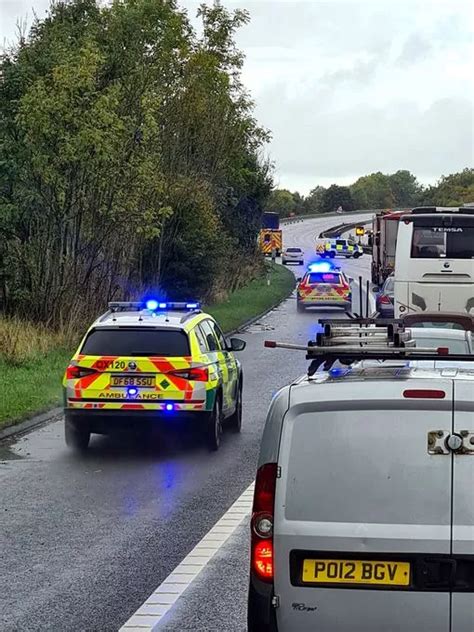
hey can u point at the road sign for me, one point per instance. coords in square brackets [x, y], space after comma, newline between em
[360, 230]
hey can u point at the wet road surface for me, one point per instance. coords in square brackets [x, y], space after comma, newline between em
[86, 539]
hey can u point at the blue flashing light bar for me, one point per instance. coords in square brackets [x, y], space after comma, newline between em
[154, 305]
[320, 266]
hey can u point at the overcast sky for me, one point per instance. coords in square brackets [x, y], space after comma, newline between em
[351, 87]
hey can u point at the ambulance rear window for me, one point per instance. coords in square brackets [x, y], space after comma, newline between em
[324, 277]
[129, 341]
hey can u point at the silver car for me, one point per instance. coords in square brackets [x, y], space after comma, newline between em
[292, 255]
[363, 516]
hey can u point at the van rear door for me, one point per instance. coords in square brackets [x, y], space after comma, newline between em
[363, 509]
[463, 508]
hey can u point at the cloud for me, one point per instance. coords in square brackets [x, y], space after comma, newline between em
[363, 139]
[415, 48]
[351, 86]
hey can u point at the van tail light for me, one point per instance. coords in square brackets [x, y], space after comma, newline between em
[262, 522]
[195, 374]
[74, 372]
[423, 393]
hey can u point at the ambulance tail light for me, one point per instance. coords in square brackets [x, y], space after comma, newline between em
[262, 522]
[74, 372]
[194, 374]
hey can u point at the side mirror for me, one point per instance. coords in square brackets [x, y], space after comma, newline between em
[376, 289]
[298, 279]
[350, 279]
[236, 344]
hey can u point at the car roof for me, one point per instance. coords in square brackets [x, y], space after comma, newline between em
[184, 320]
[387, 371]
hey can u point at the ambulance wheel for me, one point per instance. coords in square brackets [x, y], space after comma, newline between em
[76, 438]
[299, 307]
[235, 420]
[214, 426]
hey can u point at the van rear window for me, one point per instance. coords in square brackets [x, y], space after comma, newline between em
[451, 238]
[129, 341]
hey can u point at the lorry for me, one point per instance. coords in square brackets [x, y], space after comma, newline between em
[270, 238]
[384, 241]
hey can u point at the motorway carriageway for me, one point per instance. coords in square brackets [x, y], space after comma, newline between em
[86, 540]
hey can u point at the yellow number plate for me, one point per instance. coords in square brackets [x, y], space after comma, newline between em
[132, 380]
[356, 572]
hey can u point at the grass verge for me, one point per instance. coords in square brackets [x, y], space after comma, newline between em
[32, 360]
[253, 299]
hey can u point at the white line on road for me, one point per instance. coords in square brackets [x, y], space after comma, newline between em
[147, 618]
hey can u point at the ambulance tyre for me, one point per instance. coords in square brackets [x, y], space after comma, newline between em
[235, 420]
[214, 426]
[76, 438]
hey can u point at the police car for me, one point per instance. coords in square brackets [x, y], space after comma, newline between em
[323, 285]
[363, 515]
[148, 361]
[338, 248]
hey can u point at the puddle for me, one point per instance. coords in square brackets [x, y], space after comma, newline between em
[7, 454]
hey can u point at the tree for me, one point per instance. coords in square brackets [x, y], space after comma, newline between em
[372, 192]
[281, 201]
[129, 153]
[313, 202]
[405, 188]
[337, 196]
[453, 190]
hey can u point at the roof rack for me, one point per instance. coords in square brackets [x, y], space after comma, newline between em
[365, 339]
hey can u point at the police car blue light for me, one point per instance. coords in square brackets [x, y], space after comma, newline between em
[321, 266]
[152, 304]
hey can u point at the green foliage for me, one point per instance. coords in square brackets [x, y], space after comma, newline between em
[281, 201]
[129, 158]
[453, 190]
[336, 196]
[373, 191]
[313, 203]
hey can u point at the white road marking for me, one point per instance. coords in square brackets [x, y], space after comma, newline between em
[147, 618]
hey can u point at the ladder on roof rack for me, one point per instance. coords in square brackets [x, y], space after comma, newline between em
[358, 339]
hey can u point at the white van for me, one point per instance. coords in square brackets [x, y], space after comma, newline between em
[363, 516]
[434, 262]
